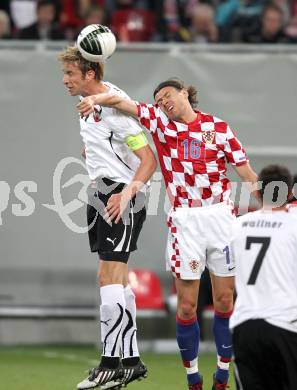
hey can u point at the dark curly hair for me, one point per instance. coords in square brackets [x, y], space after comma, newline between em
[179, 85]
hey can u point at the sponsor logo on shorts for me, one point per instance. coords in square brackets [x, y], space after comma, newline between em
[110, 240]
[194, 265]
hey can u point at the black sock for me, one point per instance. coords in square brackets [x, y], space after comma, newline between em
[110, 362]
[132, 361]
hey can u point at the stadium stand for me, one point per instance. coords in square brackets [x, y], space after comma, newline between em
[229, 21]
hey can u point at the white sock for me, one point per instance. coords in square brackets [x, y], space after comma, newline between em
[112, 311]
[129, 341]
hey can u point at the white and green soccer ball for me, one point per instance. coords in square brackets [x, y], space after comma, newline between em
[96, 43]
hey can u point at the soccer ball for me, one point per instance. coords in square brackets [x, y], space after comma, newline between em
[96, 43]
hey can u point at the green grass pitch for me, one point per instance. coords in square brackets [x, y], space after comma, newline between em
[61, 368]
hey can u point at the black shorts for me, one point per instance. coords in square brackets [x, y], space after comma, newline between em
[265, 357]
[114, 242]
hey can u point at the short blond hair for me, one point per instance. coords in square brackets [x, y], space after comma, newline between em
[72, 55]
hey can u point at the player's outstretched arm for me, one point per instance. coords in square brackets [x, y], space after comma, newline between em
[107, 99]
[247, 175]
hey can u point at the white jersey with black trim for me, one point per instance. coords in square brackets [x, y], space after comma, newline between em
[265, 250]
[104, 135]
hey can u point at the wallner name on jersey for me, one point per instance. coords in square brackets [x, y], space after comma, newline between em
[265, 250]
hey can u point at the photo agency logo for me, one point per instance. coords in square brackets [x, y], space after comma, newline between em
[157, 201]
[60, 204]
[27, 204]
[64, 210]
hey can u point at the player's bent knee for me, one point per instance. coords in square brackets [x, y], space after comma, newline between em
[224, 302]
[186, 310]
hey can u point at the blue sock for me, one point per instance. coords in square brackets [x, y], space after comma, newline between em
[188, 336]
[223, 340]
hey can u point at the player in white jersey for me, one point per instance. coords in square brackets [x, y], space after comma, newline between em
[119, 162]
[264, 320]
[194, 149]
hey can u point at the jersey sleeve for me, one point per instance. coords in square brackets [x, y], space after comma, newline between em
[128, 130]
[234, 152]
[124, 125]
[148, 115]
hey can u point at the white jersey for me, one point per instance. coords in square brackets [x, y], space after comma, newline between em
[104, 135]
[265, 250]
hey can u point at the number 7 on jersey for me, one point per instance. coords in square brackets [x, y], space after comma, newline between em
[265, 241]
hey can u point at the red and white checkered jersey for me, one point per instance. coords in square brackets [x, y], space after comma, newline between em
[193, 156]
[292, 205]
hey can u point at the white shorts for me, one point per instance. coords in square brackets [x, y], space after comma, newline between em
[199, 237]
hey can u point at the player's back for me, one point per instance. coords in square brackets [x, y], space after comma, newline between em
[265, 250]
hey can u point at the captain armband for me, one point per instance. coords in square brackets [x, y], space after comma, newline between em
[135, 142]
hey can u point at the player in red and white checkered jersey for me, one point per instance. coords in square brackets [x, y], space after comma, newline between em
[193, 155]
[193, 149]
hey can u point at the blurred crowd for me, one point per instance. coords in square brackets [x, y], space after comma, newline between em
[209, 21]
